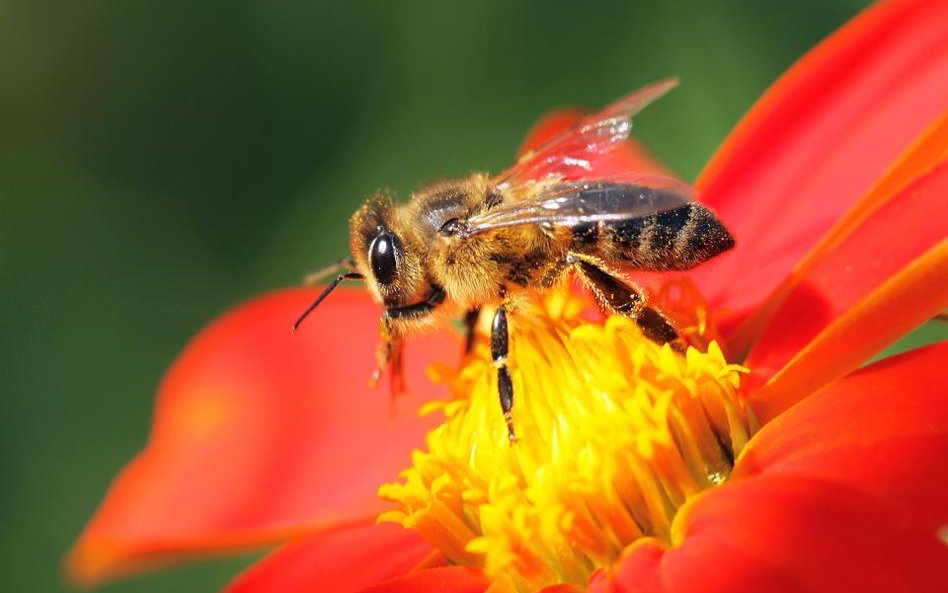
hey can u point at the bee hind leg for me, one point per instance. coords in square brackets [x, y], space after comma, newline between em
[617, 296]
[499, 349]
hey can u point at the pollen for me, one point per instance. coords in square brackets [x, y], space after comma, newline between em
[614, 433]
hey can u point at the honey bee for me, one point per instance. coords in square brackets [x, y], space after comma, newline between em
[459, 245]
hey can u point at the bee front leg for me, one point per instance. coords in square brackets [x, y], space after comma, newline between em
[470, 324]
[389, 356]
[618, 297]
[499, 349]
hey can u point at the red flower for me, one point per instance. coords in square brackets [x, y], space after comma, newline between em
[835, 185]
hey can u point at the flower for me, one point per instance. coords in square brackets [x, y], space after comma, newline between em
[833, 185]
[618, 433]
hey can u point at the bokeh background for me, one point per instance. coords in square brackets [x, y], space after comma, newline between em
[161, 161]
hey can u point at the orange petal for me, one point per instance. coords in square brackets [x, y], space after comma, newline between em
[909, 298]
[817, 141]
[898, 232]
[561, 589]
[550, 126]
[784, 534]
[632, 156]
[447, 579]
[925, 154]
[342, 561]
[260, 434]
[882, 430]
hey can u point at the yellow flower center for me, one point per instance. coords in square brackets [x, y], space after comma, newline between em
[614, 434]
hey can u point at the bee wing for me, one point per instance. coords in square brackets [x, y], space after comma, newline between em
[574, 153]
[575, 203]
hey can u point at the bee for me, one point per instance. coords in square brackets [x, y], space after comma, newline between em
[459, 245]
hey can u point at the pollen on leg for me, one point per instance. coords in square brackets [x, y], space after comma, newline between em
[615, 433]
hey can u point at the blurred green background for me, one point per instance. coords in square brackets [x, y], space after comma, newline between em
[161, 161]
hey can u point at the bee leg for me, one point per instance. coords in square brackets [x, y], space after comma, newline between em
[470, 323]
[389, 356]
[619, 297]
[396, 369]
[499, 342]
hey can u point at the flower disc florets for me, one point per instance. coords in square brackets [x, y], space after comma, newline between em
[615, 433]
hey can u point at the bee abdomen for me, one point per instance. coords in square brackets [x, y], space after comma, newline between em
[676, 239]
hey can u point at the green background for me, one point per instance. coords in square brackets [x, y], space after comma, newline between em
[161, 161]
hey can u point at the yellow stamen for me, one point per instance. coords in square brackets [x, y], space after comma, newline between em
[614, 434]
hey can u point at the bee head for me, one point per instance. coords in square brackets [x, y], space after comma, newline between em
[388, 254]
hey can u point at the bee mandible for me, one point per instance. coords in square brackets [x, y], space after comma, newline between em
[460, 245]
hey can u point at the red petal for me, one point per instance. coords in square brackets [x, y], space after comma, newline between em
[260, 434]
[915, 294]
[891, 237]
[336, 562]
[844, 492]
[818, 140]
[925, 155]
[883, 430]
[447, 579]
[784, 534]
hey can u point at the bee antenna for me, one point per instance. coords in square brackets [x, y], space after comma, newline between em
[345, 263]
[330, 288]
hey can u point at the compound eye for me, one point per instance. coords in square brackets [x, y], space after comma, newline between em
[382, 257]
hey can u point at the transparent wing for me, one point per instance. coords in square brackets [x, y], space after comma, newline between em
[573, 154]
[575, 203]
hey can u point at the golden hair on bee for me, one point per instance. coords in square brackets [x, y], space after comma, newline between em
[456, 246]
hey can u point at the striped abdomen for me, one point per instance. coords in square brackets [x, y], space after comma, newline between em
[676, 239]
